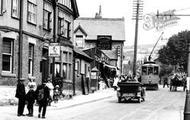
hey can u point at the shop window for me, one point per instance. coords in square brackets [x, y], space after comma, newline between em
[30, 59]
[57, 70]
[78, 67]
[67, 65]
[64, 71]
[7, 55]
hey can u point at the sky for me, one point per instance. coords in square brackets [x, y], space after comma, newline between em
[124, 8]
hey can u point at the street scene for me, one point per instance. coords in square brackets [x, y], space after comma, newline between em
[159, 105]
[94, 60]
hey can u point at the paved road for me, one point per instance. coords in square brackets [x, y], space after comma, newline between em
[159, 105]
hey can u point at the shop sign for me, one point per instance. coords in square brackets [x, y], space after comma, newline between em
[104, 42]
[54, 50]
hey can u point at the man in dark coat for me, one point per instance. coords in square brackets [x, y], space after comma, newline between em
[43, 95]
[20, 94]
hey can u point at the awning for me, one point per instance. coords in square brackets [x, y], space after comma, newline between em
[82, 54]
[110, 66]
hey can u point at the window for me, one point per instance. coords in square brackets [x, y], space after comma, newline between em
[61, 30]
[155, 70]
[32, 9]
[57, 70]
[78, 67]
[47, 16]
[144, 70]
[7, 54]
[30, 58]
[64, 71]
[67, 29]
[15, 8]
[65, 2]
[1, 7]
[79, 41]
[150, 70]
[67, 65]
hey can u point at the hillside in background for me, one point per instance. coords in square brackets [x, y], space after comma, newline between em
[142, 51]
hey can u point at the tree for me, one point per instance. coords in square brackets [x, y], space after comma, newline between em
[176, 50]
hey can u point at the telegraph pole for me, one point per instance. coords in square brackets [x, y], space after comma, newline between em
[20, 41]
[137, 15]
[54, 36]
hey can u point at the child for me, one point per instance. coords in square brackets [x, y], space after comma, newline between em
[56, 93]
[30, 97]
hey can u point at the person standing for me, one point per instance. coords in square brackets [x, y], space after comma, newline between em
[51, 87]
[166, 82]
[43, 96]
[116, 80]
[20, 94]
[30, 96]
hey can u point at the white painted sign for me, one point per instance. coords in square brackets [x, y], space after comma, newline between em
[54, 50]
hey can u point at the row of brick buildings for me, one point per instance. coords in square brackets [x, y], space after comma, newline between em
[28, 27]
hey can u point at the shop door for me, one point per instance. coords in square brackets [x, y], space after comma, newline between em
[44, 69]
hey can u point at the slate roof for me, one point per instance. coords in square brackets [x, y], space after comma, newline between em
[83, 54]
[102, 26]
[111, 54]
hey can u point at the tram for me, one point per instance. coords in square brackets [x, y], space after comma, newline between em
[150, 75]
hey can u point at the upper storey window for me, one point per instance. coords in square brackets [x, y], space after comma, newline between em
[1, 6]
[47, 12]
[32, 10]
[65, 2]
[15, 8]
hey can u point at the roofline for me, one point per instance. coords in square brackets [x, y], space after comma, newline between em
[88, 18]
[96, 40]
[81, 29]
[75, 9]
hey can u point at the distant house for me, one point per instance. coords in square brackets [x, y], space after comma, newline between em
[106, 34]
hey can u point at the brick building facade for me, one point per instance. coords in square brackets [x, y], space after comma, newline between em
[26, 31]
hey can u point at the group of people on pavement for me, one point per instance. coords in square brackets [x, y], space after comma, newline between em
[43, 94]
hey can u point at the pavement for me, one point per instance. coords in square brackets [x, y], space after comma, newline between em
[7, 98]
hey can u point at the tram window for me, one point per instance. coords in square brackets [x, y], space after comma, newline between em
[155, 70]
[150, 70]
[144, 70]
